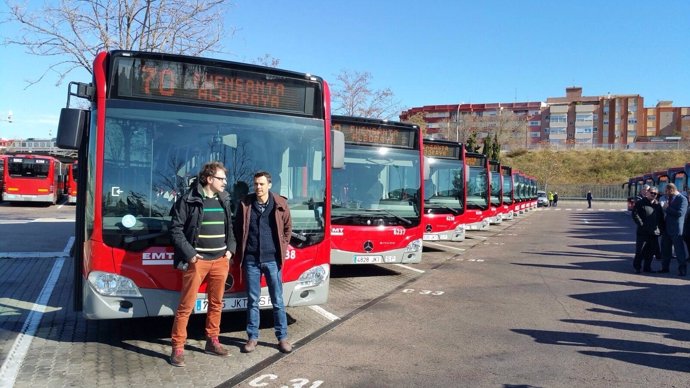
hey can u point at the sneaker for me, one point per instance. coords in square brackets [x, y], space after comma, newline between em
[177, 357]
[250, 346]
[284, 346]
[214, 347]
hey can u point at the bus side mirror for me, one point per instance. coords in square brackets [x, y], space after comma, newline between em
[71, 128]
[338, 148]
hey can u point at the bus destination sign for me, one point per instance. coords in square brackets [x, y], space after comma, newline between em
[494, 167]
[475, 161]
[441, 151]
[179, 81]
[374, 134]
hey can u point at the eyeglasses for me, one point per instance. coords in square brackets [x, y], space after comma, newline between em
[654, 192]
[221, 178]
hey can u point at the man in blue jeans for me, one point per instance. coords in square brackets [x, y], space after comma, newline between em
[264, 226]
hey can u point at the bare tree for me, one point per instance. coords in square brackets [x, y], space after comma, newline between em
[354, 96]
[74, 31]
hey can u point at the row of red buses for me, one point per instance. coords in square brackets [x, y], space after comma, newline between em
[32, 178]
[155, 119]
[378, 201]
[447, 214]
[676, 175]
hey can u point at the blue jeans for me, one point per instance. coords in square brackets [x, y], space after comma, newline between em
[253, 271]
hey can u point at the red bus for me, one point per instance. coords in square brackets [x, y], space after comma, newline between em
[496, 198]
[32, 178]
[3, 163]
[478, 186]
[71, 182]
[156, 119]
[445, 197]
[634, 186]
[661, 179]
[377, 203]
[679, 177]
[520, 191]
[509, 202]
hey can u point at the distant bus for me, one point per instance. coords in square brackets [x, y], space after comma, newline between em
[377, 202]
[508, 193]
[496, 199]
[679, 177]
[478, 182]
[71, 182]
[445, 194]
[155, 120]
[3, 162]
[32, 178]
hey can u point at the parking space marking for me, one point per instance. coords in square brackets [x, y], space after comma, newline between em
[20, 347]
[445, 246]
[411, 268]
[330, 316]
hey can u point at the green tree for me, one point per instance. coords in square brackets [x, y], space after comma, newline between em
[496, 149]
[488, 146]
[472, 144]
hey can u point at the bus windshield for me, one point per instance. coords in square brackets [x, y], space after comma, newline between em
[507, 189]
[28, 168]
[496, 199]
[476, 188]
[153, 151]
[447, 185]
[377, 182]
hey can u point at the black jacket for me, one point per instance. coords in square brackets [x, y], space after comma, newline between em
[187, 214]
[649, 217]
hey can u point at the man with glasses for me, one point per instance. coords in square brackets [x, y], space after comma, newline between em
[675, 209]
[201, 232]
[649, 218]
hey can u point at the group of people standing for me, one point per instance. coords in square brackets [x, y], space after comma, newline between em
[553, 198]
[661, 217]
[207, 244]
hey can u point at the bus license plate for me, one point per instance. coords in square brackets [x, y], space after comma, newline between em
[430, 237]
[368, 259]
[229, 304]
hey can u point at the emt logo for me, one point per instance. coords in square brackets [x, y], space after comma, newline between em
[157, 256]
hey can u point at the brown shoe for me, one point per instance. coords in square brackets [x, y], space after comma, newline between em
[284, 346]
[214, 347]
[177, 357]
[250, 346]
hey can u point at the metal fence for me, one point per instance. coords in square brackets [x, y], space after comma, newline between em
[599, 192]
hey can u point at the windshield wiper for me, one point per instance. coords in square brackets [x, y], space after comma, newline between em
[439, 206]
[141, 237]
[403, 219]
[300, 237]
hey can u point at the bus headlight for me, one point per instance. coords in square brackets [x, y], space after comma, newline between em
[313, 277]
[414, 246]
[110, 284]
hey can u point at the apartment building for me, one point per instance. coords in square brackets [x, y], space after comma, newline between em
[587, 121]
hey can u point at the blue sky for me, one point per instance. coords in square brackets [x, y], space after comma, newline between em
[427, 52]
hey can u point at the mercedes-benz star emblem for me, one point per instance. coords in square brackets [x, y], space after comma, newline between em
[368, 246]
[428, 228]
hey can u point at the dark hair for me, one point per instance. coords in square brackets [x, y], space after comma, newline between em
[210, 169]
[259, 174]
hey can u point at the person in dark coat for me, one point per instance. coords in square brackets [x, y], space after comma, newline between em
[589, 199]
[675, 209]
[649, 218]
[204, 242]
[264, 227]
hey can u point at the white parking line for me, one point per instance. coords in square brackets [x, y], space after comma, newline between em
[324, 313]
[411, 268]
[20, 348]
[445, 246]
